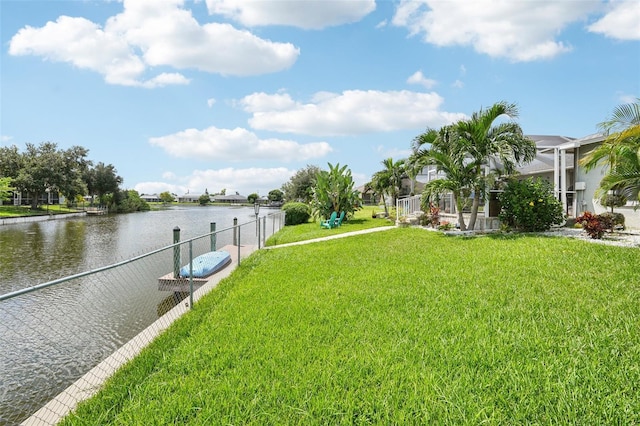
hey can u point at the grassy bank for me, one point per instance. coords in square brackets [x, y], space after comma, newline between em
[400, 327]
[19, 211]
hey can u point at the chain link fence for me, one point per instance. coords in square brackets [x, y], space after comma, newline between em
[59, 340]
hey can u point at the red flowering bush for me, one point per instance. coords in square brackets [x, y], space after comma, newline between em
[592, 224]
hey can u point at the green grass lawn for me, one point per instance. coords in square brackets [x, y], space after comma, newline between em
[18, 211]
[399, 327]
[361, 220]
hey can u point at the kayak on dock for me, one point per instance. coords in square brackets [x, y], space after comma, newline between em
[207, 264]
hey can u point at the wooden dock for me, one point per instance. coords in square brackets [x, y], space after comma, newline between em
[182, 285]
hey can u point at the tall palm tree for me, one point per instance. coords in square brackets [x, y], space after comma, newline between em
[389, 180]
[620, 153]
[441, 149]
[488, 144]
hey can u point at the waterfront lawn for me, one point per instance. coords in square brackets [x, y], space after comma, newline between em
[399, 327]
[361, 220]
[18, 211]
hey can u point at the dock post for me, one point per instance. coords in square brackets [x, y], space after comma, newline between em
[235, 231]
[176, 252]
[212, 228]
[235, 220]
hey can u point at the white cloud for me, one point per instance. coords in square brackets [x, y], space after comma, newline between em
[516, 30]
[6, 138]
[152, 34]
[627, 99]
[419, 78]
[244, 181]
[169, 176]
[236, 145]
[621, 22]
[211, 102]
[458, 84]
[352, 112]
[308, 14]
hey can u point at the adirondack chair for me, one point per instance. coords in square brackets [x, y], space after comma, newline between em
[329, 223]
[340, 219]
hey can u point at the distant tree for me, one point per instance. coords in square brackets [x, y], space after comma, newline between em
[102, 180]
[44, 168]
[166, 197]
[10, 161]
[204, 199]
[223, 191]
[334, 192]
[251, 198]
[129, 201]
[300, 185]
[5, 188]
[275, 195]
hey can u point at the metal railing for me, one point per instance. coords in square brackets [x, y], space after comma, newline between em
[54, 333]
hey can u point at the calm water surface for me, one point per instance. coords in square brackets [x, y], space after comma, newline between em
[33, 369]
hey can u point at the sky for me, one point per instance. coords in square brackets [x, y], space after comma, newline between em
[188, 96]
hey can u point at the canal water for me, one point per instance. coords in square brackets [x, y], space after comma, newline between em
[38, 252]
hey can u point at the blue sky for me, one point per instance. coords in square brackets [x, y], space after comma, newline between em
[194, 95]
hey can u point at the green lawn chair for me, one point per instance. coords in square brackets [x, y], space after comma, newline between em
[329, 223]
[340, 219]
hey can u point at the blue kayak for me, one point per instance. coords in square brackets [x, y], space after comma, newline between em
[207, 264]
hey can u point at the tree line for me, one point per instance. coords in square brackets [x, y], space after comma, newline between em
[45, 168]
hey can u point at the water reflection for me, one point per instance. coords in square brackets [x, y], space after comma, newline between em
[39, 252]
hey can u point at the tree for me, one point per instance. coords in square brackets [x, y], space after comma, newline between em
[334, 192]
[619, 153]
[44, 168]
[489, 145]
[10, 161]
[389, 180]
[275, 195]
[300, 185]
[128, 201]
[5, 188]
[102, 180]
[440, 148]
[166, 197]
[251, 198]
[204, 199]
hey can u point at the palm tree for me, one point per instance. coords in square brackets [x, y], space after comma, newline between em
[389, 180]
[441, 149]
[490, 145]
[620, 153]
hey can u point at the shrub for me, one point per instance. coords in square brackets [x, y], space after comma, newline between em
[611, 221]
[296, 213]
[529, 205]
[591, 224]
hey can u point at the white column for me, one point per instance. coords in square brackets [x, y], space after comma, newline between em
[556, 173]
[563, 179]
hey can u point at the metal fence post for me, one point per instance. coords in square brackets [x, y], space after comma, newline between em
[212, 228]
[235, 228]
[176, 252]
[238, 244]
[190, 274]
[264, 230]
[258, 231]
